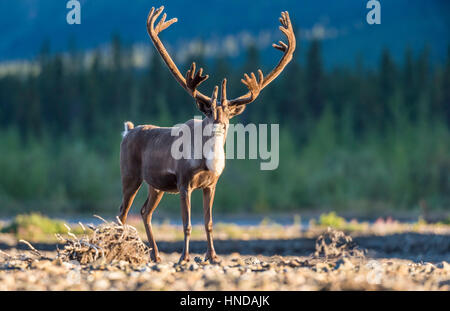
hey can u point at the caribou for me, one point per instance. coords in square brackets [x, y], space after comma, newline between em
[145, 150]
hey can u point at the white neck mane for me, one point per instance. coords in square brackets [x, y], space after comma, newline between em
[215, 156]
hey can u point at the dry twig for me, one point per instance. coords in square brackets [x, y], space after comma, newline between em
[108, 242]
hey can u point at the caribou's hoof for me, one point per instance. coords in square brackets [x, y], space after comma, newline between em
[212, 258]
[155, 258]
[184, 259]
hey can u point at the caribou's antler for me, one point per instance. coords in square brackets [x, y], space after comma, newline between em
[256, 86]
[193, 79]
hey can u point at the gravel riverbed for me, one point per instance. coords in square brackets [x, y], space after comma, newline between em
[398, 262]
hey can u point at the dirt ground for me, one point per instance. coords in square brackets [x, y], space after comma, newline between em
[402, 261]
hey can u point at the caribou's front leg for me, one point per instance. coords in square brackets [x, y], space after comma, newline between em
[185, 196]
[208, 199]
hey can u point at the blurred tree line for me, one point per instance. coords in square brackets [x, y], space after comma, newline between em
[351, 138]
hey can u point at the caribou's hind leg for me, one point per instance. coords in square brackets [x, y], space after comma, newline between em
[130, 187]
[154, 197]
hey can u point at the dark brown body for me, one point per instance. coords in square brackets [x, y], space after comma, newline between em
[145, 155]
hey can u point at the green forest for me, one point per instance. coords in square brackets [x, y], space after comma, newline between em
[351, 138]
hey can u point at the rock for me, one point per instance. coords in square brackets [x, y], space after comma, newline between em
[161, 267]
[252, 261]
[322, 267]
[344, 263]
[101, 284]
[444, 266]
[115, 276]
[295, 263]
[144, 269]
[193, 267]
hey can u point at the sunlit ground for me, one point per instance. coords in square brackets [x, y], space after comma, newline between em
[380, 255]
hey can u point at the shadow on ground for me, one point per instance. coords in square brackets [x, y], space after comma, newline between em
[413, 246]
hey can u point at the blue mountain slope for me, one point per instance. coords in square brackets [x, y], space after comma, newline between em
[24, 24]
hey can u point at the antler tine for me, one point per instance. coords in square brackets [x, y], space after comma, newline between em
[214, 96]
[261, 76]
[223, 97]
[194, 79]
[149, 16]
[286, 28]
[162, 24]
[161, 21]
[192, 70]
[253, 84]
[167, 24]
[282, 46]
[152, 16]
[213, 101]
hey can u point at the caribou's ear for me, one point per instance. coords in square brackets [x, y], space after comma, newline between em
[236, 110]
[204, 107]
